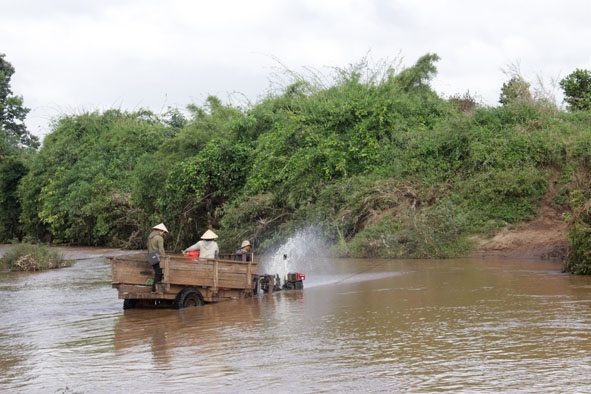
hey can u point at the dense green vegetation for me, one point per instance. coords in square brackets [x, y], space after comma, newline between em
[374, 160]
[17, 145]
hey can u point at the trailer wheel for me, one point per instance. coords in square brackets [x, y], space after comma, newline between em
[129, 304]
[188, 297]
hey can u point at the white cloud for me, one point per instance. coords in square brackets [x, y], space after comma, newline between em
[72, 56]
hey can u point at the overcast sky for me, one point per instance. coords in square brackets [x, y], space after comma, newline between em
[74, 56]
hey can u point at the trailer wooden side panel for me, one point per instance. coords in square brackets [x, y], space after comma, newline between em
[178, 271]
[235, 281]
[131, 271]
[235, 274]
[190, 273]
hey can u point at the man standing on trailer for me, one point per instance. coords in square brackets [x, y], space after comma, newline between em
[156, 243]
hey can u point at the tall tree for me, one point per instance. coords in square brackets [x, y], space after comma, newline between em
[16, 143]
[12, 169]
[515, 90]
[577, 90]
[418, 77]
[13, 131]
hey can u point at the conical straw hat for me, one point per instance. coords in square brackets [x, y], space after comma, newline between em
[160, 226]
[208, 235]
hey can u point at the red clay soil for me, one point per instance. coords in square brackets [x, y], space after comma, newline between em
[542, 238]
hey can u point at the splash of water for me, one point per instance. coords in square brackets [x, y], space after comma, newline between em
[298, 254]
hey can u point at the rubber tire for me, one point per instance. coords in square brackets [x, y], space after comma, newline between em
[188, 297]
[255, 289]
[129, 304]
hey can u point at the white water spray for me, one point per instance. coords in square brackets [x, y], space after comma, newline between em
[298, 254]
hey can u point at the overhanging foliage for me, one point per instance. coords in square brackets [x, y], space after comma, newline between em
[375, 161]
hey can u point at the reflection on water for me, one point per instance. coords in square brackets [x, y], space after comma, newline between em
[358, 326]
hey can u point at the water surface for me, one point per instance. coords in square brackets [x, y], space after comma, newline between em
[374, 326]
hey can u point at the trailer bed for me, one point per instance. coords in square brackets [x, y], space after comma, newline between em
[207, 280]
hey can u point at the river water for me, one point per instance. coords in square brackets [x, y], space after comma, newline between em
[371, 326]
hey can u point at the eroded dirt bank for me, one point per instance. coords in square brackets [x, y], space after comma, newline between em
[542, 238]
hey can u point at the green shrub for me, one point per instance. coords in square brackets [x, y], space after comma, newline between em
[579, 235]
[510, 195]
[258, 219]
[434, 232]
[27, 257]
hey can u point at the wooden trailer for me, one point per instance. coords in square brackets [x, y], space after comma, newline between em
[186, 282]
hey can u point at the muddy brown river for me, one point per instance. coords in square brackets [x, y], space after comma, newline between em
[371, 326]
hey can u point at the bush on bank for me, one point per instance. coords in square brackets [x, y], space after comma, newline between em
[28, 257]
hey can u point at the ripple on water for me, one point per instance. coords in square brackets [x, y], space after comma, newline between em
[383, 326]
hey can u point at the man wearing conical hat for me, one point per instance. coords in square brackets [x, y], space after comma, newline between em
[156, 243]
[207, 247]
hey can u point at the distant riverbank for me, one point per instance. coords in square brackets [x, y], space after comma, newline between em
[80, 252]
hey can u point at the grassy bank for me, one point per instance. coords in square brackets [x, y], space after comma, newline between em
[27, 257]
